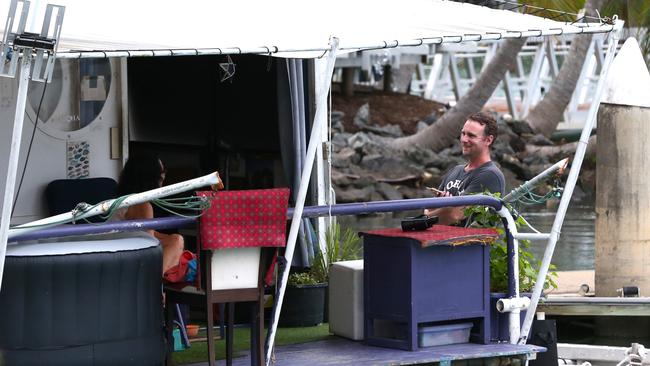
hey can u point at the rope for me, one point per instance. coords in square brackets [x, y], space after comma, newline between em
[196, 204]
[531, 198]
[546, 11]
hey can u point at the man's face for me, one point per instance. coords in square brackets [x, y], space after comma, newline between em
[473, 140]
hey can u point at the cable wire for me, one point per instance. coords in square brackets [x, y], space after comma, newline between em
[29, 150]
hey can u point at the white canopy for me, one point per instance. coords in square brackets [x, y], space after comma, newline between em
[284, 26]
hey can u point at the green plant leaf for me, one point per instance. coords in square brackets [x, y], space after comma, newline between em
[301, 278]
[339, 246]
[484, 217]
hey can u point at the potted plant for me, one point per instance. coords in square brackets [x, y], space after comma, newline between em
[304, 301]
[306, 296]
[340, 245]
[528, 268]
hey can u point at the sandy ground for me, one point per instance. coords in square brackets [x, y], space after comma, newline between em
[386, 108]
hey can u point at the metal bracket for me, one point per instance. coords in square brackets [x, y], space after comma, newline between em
[40, 46]
[9, 58]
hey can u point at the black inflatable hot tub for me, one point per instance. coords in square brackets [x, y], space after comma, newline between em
[91, 300]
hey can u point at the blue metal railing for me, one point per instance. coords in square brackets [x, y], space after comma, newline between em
[309, 211]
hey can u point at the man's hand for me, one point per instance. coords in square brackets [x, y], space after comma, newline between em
[439, 193]
[446, 215]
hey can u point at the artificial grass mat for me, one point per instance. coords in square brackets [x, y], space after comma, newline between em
[241, 344]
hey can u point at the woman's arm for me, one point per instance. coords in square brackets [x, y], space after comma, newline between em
[141, 211]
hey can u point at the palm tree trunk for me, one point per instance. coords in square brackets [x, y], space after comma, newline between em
[447, 129]
[546, 115]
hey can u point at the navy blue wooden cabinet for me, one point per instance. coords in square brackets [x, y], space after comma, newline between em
[406, 286]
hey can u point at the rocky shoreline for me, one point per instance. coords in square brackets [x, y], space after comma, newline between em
[365, 168]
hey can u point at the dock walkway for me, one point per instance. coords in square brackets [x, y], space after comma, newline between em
[339, 351]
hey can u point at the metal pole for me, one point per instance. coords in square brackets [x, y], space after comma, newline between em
[59, 231]
[383, 44]
[314, 143]
[528, 185]
[14, 153]
[571, 182]
[533, 236]
[513, 270]
[512, 273]
[298, 144]
[534, 78]
[308, 212]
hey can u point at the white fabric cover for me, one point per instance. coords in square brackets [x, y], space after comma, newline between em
[82, 244]
[628, 80]
[285, 24]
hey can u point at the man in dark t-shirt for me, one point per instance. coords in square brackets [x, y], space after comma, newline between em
[480, 174]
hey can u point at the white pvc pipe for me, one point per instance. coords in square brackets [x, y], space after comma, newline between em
[314, 143]
[134, 199]
[570, 185]
[509, 305]
[514, 319]
[532, 236]
[14, 153]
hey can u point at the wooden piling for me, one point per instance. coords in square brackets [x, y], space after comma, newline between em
[622, 185]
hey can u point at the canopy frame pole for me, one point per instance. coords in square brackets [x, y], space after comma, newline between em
[14, 154]
[387, 44]
[26, 47]
[531, 184]
[570, 185]
[314, 143]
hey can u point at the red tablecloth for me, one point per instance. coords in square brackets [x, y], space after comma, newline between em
[250, 218]
[442, 235]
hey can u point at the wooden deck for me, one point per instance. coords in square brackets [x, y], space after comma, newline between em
[339, 351]
[595, 306]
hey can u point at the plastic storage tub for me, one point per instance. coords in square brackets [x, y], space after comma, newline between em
[439, 335]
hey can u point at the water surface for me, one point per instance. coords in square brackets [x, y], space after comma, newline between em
[574, 250]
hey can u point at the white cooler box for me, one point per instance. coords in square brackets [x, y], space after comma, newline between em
[346, 299]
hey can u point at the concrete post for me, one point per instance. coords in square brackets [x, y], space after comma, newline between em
[622, 186]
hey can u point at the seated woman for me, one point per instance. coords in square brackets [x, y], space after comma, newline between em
[143, 172]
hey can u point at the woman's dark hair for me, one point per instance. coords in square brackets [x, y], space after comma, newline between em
[142, 172]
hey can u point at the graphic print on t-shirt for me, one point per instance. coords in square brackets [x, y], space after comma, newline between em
[455, 186]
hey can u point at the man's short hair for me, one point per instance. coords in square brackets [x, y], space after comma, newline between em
[488, 121]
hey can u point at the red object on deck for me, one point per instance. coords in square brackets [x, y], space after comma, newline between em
[248, 218]
[442, 235]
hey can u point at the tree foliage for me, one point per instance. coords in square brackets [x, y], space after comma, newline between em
[545, 116]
